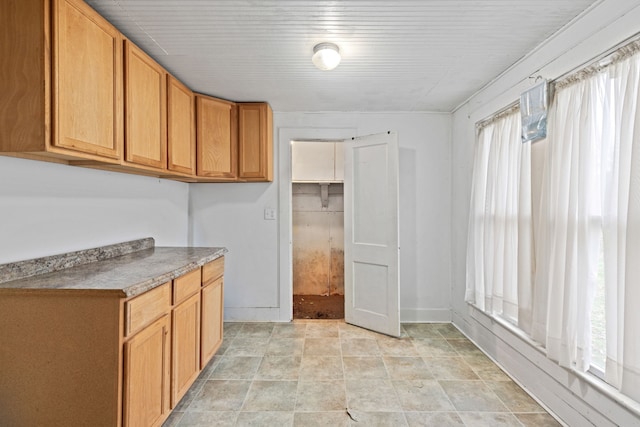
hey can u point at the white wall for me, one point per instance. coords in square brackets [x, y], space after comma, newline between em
[576, 401]
[257, 285]
[48, 208]
[231, 215]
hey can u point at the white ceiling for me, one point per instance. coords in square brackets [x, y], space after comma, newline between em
[397, 55]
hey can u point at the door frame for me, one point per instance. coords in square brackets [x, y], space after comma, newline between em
[285, 223]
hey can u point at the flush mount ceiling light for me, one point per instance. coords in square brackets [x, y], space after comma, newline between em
[326, 56]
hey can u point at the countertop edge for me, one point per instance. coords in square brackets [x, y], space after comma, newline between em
[140, 283]
[142, 287]
[59, 292]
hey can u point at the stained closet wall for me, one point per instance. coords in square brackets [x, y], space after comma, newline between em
[318, 240]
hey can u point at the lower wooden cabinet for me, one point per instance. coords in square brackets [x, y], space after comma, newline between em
[94, 358]
[60, 359]
[185, 357]
[212, 301]
[164, 359]
[146, 375]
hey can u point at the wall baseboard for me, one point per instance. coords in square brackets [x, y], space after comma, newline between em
[252, 314]
[425, 315]
[571, 398]
[275, 314]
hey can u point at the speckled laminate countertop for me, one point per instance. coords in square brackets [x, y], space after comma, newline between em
[127, 269]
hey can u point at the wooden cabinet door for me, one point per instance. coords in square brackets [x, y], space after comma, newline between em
[87, 81]
[255, 142]
[145, 109]
[212, 320]
[181, 138]
[216, 136]
[146, 375]
[186, 347]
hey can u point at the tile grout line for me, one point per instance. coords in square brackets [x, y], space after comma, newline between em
[344, 377]
[442, 388]
[458, 354]
[244, 401]
[295, 398]
[404, 412]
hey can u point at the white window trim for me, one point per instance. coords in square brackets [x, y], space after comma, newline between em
[589, 377]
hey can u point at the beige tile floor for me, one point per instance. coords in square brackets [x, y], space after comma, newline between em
[329, 373]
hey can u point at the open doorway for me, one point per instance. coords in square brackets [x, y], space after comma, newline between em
[317, 230]
[370, 168]
[318, 250]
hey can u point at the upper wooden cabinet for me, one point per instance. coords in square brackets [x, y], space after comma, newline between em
[61, 69]
[217, 141]
[212, 320]
[235, 141]
[255, 142]
[181, 135]
[75, 91]
[107, 359]
[145, 109]
[87, 80]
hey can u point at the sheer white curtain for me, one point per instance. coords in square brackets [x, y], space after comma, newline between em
[588, 212]
[621, 220]
[499, 246]
[591, 194]
[569, 226]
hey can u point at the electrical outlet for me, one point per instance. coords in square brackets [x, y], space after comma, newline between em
[269, 214]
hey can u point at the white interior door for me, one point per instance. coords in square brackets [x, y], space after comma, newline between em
[371, 249]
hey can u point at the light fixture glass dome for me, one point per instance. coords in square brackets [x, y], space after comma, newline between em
[326, 56]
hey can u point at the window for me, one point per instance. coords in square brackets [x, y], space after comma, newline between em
[598, 321]
[581, 299]
[497, 247]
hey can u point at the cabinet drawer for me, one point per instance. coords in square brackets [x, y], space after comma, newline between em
[185, 286]
[144, 309]
[213, 270]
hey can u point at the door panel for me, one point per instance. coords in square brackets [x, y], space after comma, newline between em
[370, 206]
[367, 298]
[217, 138]
[145, 107]
[186, 347]
[146, 375]
[181, 135]
[371, 233]
[212, 320]
[87, 79]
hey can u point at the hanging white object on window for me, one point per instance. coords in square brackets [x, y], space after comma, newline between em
[533, 110]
